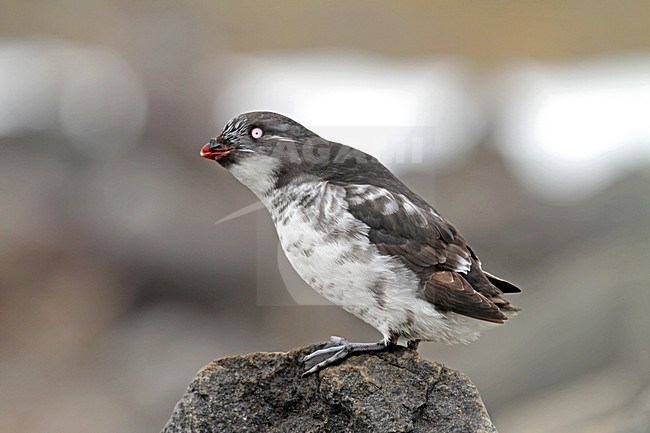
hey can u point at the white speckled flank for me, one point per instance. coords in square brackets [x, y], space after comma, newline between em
[330, 250]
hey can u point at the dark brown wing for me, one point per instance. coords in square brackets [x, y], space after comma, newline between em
[417, 236]
[450, 273]
[449, 291]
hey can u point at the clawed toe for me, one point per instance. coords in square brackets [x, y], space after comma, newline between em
[342, 353]
[335, 344]
[335, 351]
[320, 352]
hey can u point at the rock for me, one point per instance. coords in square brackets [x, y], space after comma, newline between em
[387, 392]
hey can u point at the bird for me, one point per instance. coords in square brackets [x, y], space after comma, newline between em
[361, 238]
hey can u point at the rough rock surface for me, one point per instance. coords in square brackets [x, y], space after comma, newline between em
[388, 392]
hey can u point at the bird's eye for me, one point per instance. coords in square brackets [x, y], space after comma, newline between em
[256, 133]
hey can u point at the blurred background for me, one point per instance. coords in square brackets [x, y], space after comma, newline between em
[525, 123]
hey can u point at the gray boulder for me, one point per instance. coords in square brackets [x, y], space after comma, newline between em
[387, 392]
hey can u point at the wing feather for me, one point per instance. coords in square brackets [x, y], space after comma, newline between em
[450, 273]
[418, 236]
[449, 291]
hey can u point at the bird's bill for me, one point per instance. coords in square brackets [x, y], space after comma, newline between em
[215, 153]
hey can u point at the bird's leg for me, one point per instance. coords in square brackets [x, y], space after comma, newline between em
[339, 349]
[413, 344]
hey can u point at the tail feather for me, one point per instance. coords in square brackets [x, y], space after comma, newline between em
[503, 285]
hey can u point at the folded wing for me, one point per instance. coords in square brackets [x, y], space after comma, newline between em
[450, 273]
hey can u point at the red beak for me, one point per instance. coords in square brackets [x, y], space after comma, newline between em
[215, 153]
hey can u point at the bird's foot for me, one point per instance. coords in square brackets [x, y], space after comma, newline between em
[413, 344]
[337, 350]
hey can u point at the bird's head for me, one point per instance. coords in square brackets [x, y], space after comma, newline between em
[255, 147]
[254, 133]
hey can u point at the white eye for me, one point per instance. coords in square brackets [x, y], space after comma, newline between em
[257, 133]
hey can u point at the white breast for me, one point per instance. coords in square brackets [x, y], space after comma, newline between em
[330, 250]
